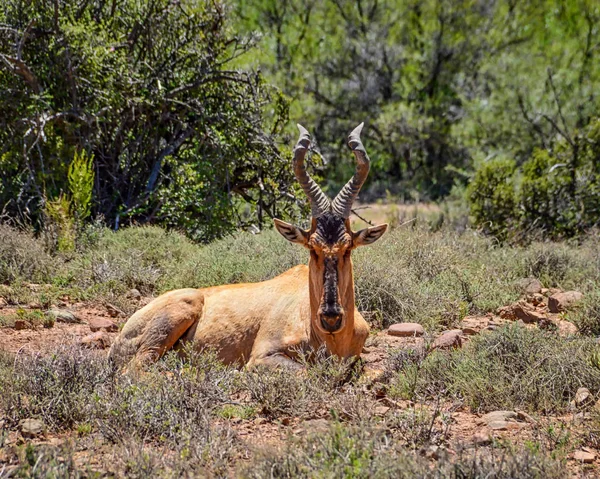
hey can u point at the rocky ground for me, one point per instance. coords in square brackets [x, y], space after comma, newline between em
[94, 325]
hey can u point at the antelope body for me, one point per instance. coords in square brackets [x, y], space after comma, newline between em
[270, 322]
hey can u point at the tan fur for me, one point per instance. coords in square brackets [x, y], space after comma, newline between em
[246, 323]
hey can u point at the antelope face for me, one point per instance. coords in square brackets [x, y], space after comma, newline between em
[330, 242]
[330, 239]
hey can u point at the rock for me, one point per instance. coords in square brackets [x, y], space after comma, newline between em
[3, 303]
[471, 325]
[562, 301]
[498, 416]
[584, 456]
[583, 396]
[260, 420]
[31, 427]
[448, 340]
[97, 340]
[134, 294]
[530, 285]
[63, 316]
[406, 329]
[481, 438]
[21, 324]
[381, 410]
[102, 324]
[498, 425]
[566, 328]
[114, 311]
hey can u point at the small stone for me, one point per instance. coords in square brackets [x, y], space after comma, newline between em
[498, 425]
[134, 294]
[562, 301]
[481, 438]
[583, 396]
[21, 324]
[260, 420]
[530, 285]
[406, 329]
[584, 456]
[566, 328]
[498, 416]
[31, 427]
[448, 340]
[381, 410]
[63, 316]
[102, 324]
[97, 340]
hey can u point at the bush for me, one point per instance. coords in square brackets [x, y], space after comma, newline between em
[365, 452]
[555, 194]
[148, 90]
[491, 194]
[22, 257]
[513, 367]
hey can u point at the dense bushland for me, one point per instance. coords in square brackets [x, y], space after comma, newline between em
[176, 134]
[186, 108]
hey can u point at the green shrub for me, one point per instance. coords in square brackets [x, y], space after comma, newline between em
[22, 257]
[491, 195]
[513, 367]
[555, 194]
[366, 451]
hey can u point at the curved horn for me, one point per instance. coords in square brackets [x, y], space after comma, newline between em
[319, 203]
[342, 203]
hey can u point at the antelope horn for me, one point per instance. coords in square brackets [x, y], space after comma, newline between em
[342, 203]
[319, 203]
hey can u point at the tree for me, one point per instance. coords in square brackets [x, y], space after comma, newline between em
[148, 88]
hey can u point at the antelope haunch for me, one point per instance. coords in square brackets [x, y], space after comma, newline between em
[269, 322]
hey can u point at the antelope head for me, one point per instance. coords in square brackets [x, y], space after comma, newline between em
[330, 239]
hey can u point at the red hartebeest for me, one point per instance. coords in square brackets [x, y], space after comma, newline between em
[267, 323]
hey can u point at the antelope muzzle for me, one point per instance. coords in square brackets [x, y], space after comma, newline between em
[330, 313]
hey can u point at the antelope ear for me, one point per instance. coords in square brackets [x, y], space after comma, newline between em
[369, 235]
[291, 233]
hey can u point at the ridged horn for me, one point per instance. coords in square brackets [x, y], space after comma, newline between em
[342, 203]
[319, 203]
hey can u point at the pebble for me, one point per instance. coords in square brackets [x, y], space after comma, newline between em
[31, 427]
[102, 324]
[448, 340]
[406, 329]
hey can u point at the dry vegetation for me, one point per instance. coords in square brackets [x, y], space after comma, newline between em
[186, 418]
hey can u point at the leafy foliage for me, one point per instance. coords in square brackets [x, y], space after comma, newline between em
[555, 193]
[148, 90]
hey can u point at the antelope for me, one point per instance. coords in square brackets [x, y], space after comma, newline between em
[271, 322]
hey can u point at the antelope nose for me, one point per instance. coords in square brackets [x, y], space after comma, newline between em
[331, 322]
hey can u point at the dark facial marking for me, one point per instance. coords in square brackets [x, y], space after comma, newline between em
[330, 306]
[331, 228]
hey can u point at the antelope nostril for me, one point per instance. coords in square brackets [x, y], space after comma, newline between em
[331, 322]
